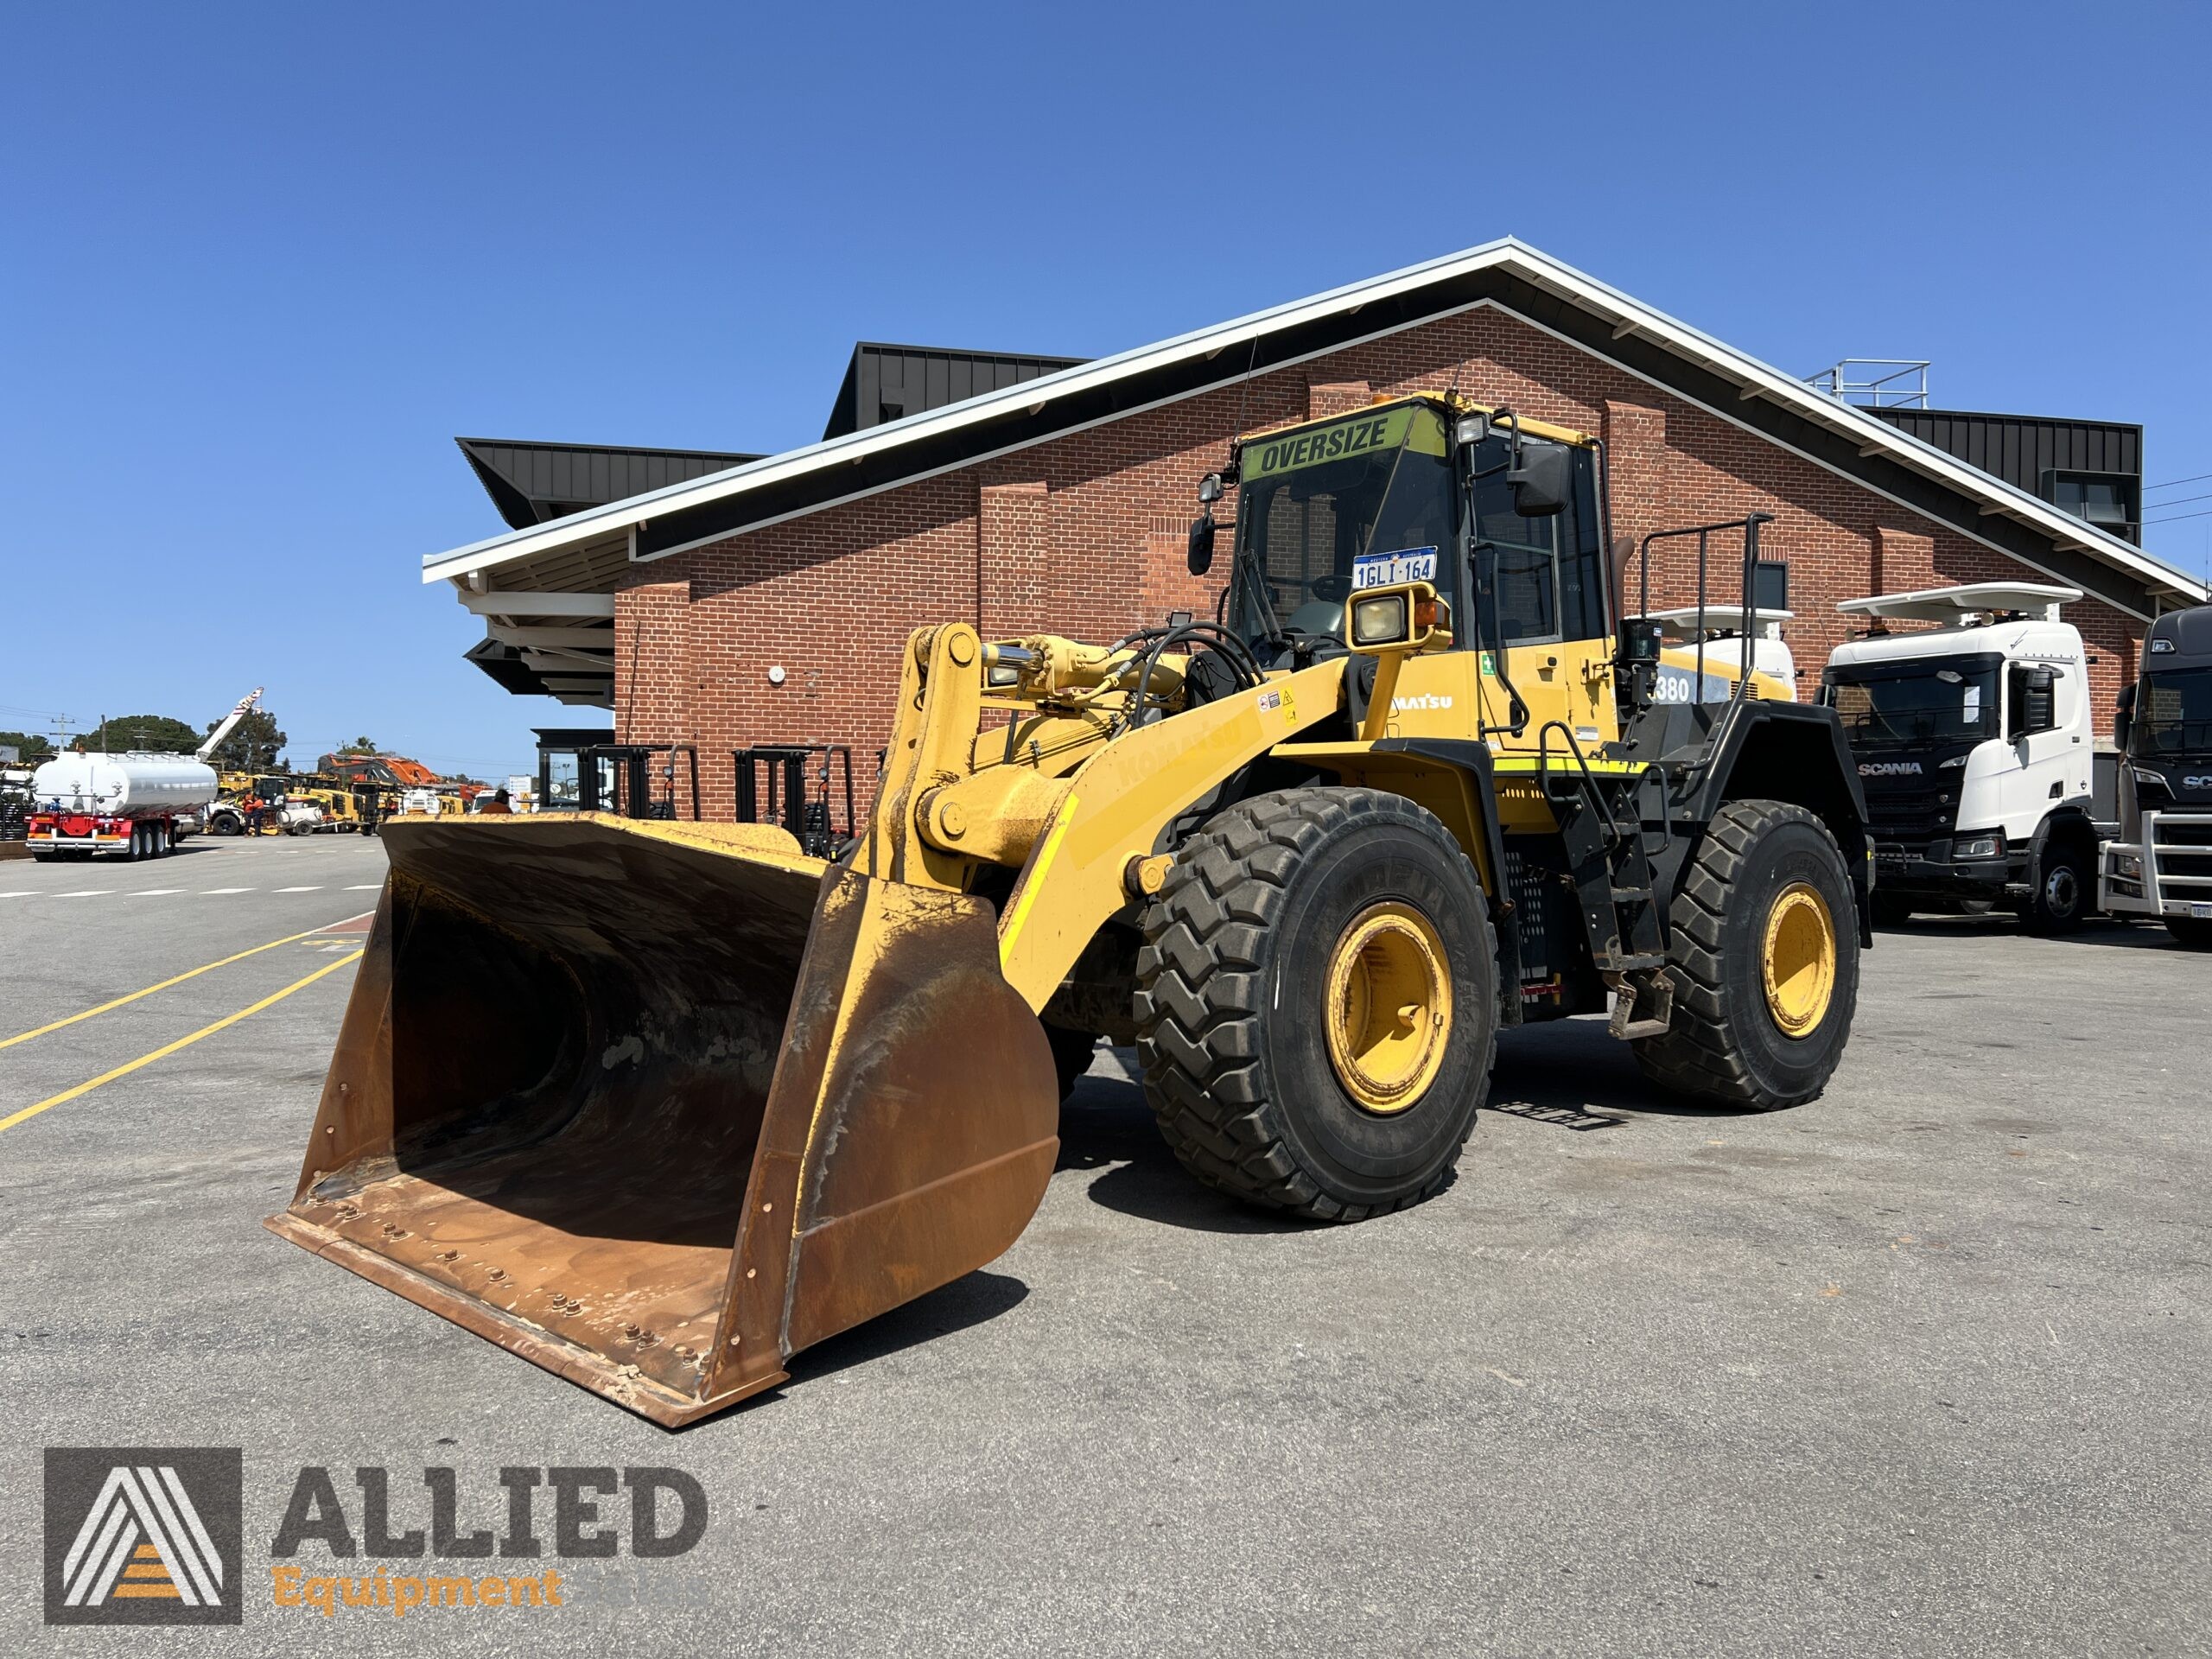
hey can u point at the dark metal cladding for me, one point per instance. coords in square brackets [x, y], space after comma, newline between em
[531, 483]
[888, 383]
[2039, 455]
[653, 1110]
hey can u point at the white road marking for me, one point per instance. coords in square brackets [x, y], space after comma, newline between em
[155, 893]
[366, 886]
[299, 889]
[24, 893]
[86, 893]
[204, 892]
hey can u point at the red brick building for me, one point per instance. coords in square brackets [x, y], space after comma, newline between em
[766, 601]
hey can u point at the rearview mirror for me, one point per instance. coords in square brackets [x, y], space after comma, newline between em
[1200, 558]
[1540, 481]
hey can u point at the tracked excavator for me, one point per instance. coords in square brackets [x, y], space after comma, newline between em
[656, 1105]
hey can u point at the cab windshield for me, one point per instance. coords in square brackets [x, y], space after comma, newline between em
[1919, 703]
[2175, 713]
[1348, 503]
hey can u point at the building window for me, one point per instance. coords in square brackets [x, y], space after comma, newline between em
[2106, 499]
[1771, 585]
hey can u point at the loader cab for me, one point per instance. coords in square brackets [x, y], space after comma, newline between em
[1427, 489]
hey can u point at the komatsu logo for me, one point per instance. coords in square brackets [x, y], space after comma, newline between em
[1889, 769]
[1427, 700]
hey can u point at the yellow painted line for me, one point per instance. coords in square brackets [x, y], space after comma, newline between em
[25, 1036]
[168, 1048]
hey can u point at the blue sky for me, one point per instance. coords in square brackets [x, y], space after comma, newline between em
[259, 266]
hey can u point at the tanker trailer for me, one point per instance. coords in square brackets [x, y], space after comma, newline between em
[124, 803]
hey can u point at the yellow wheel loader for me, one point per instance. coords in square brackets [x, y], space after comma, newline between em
[658, 1104]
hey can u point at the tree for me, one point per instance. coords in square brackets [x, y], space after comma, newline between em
[29, 745]
[253, 745]
[361, 745]
[155, 733]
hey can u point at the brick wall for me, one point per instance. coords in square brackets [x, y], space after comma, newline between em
[1085, 535]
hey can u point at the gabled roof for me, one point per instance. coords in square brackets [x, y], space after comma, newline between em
[592, 548]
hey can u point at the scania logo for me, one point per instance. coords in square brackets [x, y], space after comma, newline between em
[2202, 781]
[1889, 769]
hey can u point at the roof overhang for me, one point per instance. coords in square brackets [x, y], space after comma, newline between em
[593, 550]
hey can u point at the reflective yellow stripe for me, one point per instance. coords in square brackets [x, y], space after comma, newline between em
[1035, 879]
[1566, 763]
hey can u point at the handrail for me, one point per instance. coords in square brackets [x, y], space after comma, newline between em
[1589, 782]
[1749, 526]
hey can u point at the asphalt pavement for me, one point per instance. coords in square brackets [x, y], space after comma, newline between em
[1916, 1369]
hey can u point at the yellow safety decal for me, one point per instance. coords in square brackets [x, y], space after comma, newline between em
[1035, 880]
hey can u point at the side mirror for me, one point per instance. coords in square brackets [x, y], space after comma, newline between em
[1541, 482]
[1200, 558]
[2123, 719]
[1209, 489]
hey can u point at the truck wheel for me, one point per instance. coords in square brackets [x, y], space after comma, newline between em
[1071, 1052]
[1764, 959]
[2191, 931]
[1317, 1002]
[2062, 886]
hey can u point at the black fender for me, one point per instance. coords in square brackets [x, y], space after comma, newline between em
[1793, 751]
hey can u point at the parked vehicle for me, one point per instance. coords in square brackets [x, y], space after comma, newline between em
[136, 805]
[2160, 864]
[1975, 746]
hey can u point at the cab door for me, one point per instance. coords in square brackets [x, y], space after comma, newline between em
[1540, 587]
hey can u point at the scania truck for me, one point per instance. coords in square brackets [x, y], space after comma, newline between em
[2160, 864]
[1975, 745]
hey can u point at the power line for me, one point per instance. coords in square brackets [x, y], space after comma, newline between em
[2177, 517]
[2170, 482]
[2160, 506]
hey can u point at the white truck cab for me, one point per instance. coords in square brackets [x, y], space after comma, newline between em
[1975, 743]
[2161, 864]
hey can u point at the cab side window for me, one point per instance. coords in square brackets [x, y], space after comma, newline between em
[1541, 579]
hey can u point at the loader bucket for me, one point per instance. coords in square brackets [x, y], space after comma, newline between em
[656, 1105]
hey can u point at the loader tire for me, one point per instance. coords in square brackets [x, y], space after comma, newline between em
[1278, 1057]
[1764, 957]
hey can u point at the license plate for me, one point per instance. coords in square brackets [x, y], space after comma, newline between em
[2201, 911]
[1386, 569]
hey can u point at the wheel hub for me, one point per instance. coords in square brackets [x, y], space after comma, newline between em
[1798, 963]
[1390, 1007]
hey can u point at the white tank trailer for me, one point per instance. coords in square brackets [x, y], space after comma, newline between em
[124, 803]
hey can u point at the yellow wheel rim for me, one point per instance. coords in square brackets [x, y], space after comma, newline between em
[1798, 963]
[1390, 1009]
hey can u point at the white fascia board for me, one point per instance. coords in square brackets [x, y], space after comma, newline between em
[520, 604]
